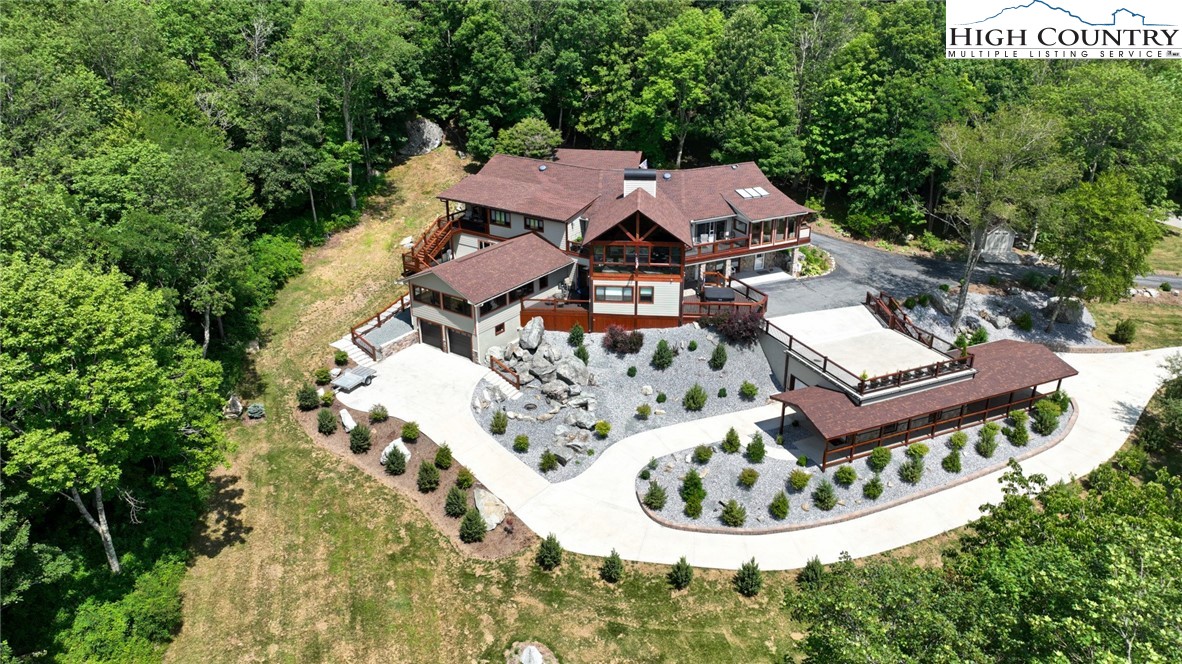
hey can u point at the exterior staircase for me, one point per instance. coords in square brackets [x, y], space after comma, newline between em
[511, 393]
[359, 356]
[435, 239]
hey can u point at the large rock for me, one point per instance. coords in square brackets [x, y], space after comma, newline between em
[497, 352]
[531, 334]
[491, 509]
[422, 136]
[1071, 311]
[584, 419]
[555, 390]
[542, 368]
[396, 445]
[572, 371]
[587, 401]
[943, 302]
[233, 408]
[531, 655]
[561, 453]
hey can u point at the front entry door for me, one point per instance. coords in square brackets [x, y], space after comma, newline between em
[758, 261]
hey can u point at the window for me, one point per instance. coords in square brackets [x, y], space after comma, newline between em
[544, 282]
[499, 329]
[426, 296]
[493, 305]
[457, 305]
[533, 224]
[613, 293]
[499, 218]
[890, 428]
[646, 294]
[521, 292]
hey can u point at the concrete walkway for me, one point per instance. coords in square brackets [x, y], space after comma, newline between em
[598, 511]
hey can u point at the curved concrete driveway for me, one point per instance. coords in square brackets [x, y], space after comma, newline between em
[597, 511]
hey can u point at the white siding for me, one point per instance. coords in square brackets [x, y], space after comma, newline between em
[511, 317]
[553, 231]
[666, 299]
[466, 244]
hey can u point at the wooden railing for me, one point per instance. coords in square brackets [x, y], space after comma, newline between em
[357, 332]
[434, 238]
[557, 314]
[754, 300]
[730, 246]
[504, 371]
[890, 311]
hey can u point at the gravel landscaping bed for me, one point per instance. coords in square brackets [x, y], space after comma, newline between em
[616, 395]
[983, 310]
[720, 479]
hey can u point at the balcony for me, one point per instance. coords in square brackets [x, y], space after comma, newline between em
[727, 247]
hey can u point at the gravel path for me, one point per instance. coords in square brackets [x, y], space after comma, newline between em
[720, 479]
[617, 395]
[1077, 334]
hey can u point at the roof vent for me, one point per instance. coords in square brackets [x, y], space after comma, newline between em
[666, 176]
[542, 167]
[640, 178]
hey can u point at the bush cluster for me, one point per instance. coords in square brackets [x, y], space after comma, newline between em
[718, 357]
[378, 414]
[655, 497]
[879, 459]
[326, 422]
[740, 328]
[620, 341]
[663, 356]
[748, 390]
[799, 479]
[1060, 397]
[846, 475]
[575, 338]
[360, 439]
[521, 444]
[410, 432]
[1046, 417]
[702, 454]
[731, 443]
[824, 496]
[748, 477]
[306, 397]
[428, 479]
[500, 422]
[1017, 433]
[872, 489]
[779, 506]
[733, 514]
[756, 450]
[694, 399]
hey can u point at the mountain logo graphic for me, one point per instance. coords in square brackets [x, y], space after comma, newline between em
[1121, 12]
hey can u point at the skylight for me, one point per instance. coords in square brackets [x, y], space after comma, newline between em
[752, 192]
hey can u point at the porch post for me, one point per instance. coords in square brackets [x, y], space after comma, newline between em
[783, 412]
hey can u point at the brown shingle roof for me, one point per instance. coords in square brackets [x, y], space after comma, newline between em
[1002, 367]
[492, 271]
[600, 159]
[607, 212]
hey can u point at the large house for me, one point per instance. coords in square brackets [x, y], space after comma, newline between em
[592, 237]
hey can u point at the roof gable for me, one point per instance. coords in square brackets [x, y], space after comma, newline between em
[492, 271]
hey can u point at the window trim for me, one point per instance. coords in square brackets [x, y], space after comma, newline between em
[627, 294]
[499, 329]
[652, 294]
[492, 218]
[534, 223]
[444, 297]
[435, 300]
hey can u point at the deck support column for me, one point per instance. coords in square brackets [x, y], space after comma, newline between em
[783, 412]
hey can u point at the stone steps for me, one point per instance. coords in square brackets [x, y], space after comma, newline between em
[511, 393]
[359, 356]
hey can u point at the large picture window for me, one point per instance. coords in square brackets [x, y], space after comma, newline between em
[426, 296]
[457, 305]
[499, 218]
[613, 293]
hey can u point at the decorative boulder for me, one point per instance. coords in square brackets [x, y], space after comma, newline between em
[497, 352]
[531, 655]
[531, 334]
[646, 390]
[396, 445]
[943, 302]
[555, 390]
[347, 422]
[1071, 312]
[562, 454]
[233, 408]
[542, 368]
[572, 371]
[491, 509]
[422, 136]
[584, 419]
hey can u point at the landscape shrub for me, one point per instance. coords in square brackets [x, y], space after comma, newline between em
[681, 575]
[916, 451]
[521, 443]
[846, 475]
[993, 280]
[802, 460]
[1131, 460]
[740, 328]
[979, 336]
[1166, 287]
[1060, 397]
[655, 497]
[341, 358]
[661, 398]
[872, 489]
[643, 411]
[961, 342]
[799, 479]
[749, 579]
[574, 338]
[378, 414]
[395, 463]
[693, 345]
[1024, 321]
[306, 397]
[621, 342]
[779, 506]
[327, 398]
[733, 514]
[1125, 332]
[815, 263]
[464, 479]
[443, 458]
[812, 573]
[583, 354]
[631, 372]
[428, 479]
[824, 496]
[410, 432]
[702, 454]
[986, 443]
[652, 463]
[748, 390]
[731, 443]
[360, 439]
[548, 462]
[958, 441]
[910, 303]
[1046, 417]
[1032, 280]
[924, 299]
[693, 508]
[612, 568]
[456, 504]
[691, 487]
[694, 399]
[748, 477]
[946, 287]
[322, 376]
[602, 429]
[549, 553]
[472, 527]
[500, 422]
[951, 463]
[879, 459]
[722, 393]
[663, 356]
[911, 470]
[326, 422]
[756, 450]
[645, 474]
[1017, 433]
[718, 357]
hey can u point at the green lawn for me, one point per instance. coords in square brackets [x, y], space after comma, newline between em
[332, 566]
[1166, 257]
[1159, 324]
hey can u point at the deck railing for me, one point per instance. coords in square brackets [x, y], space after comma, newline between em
[754, 300]
[504, 371]
[434, 238]
[357, 332]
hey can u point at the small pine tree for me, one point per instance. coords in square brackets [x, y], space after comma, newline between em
[693, 508]
[655, 497]
[549, 553]
[722, 393]
[662, 356]
[694, 399]
[749, 579]
[748, 477]
[733, 514]
[456, 504]
[879, 459]
[521, 444]
[691, 487]
[756, 450]
[812, 573]
[681, 575]
[500, 422]
[395, 463]
[612, 568]
[872, 489]
[748, 390]
[979, 336]
[306, 397]
[798, 479]
[410, 432]
[911, 471]
[731, 443]
[464, 479]
[951, 463]
[326, 422]
[718, 357]
[360, 439]
[428, 479]
[547, 462]
[824, 496]
[443, 458]
[703, 454]
[575, 338]
[583, 354]
[472, 527]
[779, 507]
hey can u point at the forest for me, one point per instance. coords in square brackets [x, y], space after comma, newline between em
[165, 164]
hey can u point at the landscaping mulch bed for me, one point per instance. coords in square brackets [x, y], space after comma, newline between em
[720, 479]
[498, 543]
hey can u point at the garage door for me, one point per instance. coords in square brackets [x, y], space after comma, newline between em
[459, 343]
[431, 333]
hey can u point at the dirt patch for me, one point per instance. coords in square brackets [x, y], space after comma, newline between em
[507, 539]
